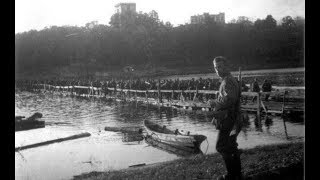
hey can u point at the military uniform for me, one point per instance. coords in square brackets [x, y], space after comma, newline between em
[266, 87]
[255, 88]
[228, 123]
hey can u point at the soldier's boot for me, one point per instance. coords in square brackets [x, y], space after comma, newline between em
[228, 160]
[233, 166]
[236, 162]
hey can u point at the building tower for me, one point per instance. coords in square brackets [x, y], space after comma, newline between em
[126, 8]
[127, 12]
[200, 19]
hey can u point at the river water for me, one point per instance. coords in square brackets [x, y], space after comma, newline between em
[105, 150]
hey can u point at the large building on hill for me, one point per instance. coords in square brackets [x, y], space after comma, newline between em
[126, 8]
[200, 19]
[126, 12]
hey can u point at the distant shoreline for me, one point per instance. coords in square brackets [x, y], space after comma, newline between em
[246, 73]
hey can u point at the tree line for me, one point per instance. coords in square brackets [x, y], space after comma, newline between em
[143, 40]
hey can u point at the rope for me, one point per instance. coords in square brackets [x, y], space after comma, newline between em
[24, 159]
[158, 139]
[207, 146]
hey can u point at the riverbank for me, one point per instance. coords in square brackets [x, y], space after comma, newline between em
[285, 161]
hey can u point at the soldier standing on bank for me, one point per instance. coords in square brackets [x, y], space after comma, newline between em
[227, 121]
[266, 87]
[255, 88]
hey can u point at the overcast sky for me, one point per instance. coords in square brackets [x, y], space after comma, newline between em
[37, 14]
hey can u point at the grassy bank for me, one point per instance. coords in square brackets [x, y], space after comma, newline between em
[283, 161]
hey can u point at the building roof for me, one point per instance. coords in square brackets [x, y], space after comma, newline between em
[119, 4]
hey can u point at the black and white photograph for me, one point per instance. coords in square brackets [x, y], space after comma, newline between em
[159, 89]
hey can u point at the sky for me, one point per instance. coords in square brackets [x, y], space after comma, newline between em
[38, 14]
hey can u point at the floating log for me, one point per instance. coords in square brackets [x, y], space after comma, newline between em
[86, 134]
[137, 165]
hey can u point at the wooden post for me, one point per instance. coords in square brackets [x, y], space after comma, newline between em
[182, 98]
[129, 92]
[283, 101]
[258, 104]
[239, 76]
[136, 95]
[147, 96]
[239, 101]
[264, 108]
[240, 85]
[172, 95]
[159, 91]
[283, 118]
[196, 94]
[285, 127]
[122, 94]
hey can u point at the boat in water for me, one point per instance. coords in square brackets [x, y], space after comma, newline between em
[179, 151]
[32, 122]
[177, 138]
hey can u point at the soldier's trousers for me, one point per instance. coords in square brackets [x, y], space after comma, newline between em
[227, 146]
[226, 143]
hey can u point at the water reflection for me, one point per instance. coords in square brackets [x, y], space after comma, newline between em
[257, 123]
[132, 137]
[296, 117]
[268, 122]
[245, 124]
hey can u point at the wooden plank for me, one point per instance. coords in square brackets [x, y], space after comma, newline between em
[275, 111]
[81, 87]
[249, 93]
[153, 91]
[289, 87]
[86, 134]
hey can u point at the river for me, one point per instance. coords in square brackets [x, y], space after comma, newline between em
[105, 150]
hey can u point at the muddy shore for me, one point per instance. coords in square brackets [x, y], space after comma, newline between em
[281, 161]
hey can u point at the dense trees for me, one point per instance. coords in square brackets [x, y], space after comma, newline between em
[145, 40]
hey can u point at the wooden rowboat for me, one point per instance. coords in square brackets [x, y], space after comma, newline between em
[174, 138]
[179, 151]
